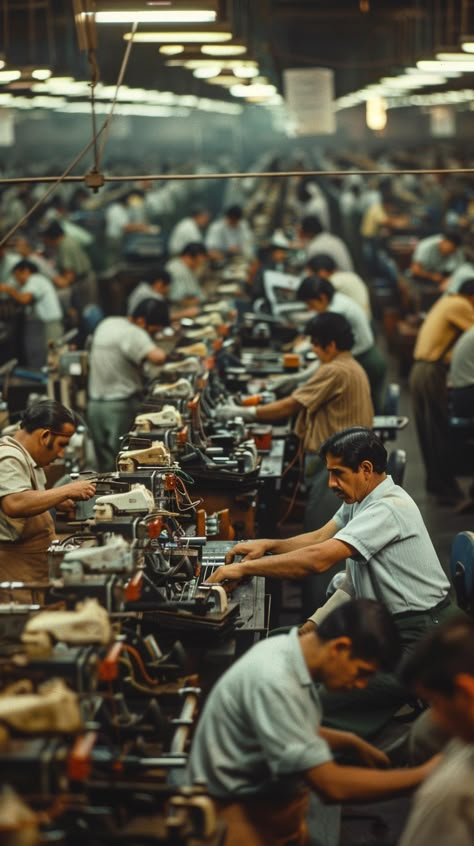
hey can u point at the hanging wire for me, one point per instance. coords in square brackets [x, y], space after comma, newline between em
[117, 88]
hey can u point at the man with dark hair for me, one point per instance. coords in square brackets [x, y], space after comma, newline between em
[43, 312]
[390, 557]
[437, 257]
[188, 230]
[230, 235]
[120, 346]
[441, 670]
[316, 240]
[155, 285]
[320, 295]
[337, 395]
[74, 277]
[345, 281]
[445, 322]
[26, 525]
[184, 271]
[259, 745]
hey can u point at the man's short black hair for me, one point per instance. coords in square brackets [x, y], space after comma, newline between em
[321, 261]
[314, 287]
[46, 414]
[442, 654]
[194, 249]
[154, 312]
[329, 326]
[155, 274]
[53, 231]
[234, 212]
[311, 225]
[467, 288]
[371, 629]
[24, 264]
[355, 445]
[453, 236]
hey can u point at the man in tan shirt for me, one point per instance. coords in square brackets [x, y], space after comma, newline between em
[335, 397]
[448, 318]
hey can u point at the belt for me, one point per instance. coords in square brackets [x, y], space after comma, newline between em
[116, 399]
[428, 611]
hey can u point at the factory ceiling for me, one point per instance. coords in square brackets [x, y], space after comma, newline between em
[360, 40]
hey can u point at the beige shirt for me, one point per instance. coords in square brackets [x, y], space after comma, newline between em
[18, 472]
[373, 219]
[444, 323]
[336, 396]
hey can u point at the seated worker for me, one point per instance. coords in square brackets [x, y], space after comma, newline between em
[157, 288]
[316, 240]
[442, 671]
[230, 235]
[336, 396]
[39, 296]
[26, 525]
[74, 277]
[259, 746]
[344, 281]
[437, 257]
[320, 295]
[390, 557]
[185, 289]
[447, 319]
[273, 257]
[188, 230]
[120, 346]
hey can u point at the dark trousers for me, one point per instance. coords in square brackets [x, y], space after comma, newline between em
[429, 397]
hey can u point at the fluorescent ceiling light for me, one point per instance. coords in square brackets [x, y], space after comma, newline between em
[9, 76]
[207, 72]
[448, 74]
[41, 73]
[187, 37]
[196, 16]
[256, 89]
[467, 66]
[226, 80]
[171, 49]
[223, 49]
[246, 72]
[191, 64]
[2, 63]
[452, 57]
[468, 46]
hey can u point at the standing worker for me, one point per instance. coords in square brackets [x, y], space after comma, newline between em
[26, 525]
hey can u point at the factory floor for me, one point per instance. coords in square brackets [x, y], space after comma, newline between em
[381, 823]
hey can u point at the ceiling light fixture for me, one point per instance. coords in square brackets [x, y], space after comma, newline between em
[186, 36]
[468, 45]
[196, 16]
[223, 49]
[256, 89]
[207, 73]
[467, 66]
[7, 76]
[226, 80]
[171, 49]
[246, 71]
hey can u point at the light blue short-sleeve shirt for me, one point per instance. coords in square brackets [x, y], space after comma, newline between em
[396, 562]
[258, 732]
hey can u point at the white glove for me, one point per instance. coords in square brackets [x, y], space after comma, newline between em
[231, 411]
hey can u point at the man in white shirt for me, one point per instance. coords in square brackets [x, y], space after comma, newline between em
[316, 240]
[229, 236]
[344, 281]
[43, 312]
[187, 231]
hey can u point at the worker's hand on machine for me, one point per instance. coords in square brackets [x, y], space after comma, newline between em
[248, 550]
[80, 489]
[230, 411]
[229, 573]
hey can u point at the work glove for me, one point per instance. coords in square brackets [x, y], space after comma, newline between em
[230, 411]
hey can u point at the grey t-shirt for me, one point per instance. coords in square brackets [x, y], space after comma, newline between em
[396, 562]
[115, 365]
[428, 255]
[258, 732]
[142, 292]
[355, 315]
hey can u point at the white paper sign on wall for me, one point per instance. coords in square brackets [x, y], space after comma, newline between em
[309, 95]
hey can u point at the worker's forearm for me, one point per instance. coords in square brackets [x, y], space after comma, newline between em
[340, 783]
[278, 410]
[288, 565]
[337, 739]
[300, 541]
[30, 503]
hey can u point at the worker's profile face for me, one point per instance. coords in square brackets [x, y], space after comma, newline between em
[453, 712]
[344, 671]
[447, 247]
[349, 485]
[325, 354]
[53, 444]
